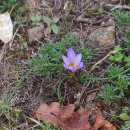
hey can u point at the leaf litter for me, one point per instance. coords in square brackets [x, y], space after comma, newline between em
[67, 118]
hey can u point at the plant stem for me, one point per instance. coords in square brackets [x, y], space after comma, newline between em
[59, 85]
[108, 78]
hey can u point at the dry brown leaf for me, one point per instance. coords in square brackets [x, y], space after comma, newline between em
[109, 128]
[68, 119]
[65, 118]
[36, 33]
[67, 111]
[49, 112]
[100, 122]
[76, 120]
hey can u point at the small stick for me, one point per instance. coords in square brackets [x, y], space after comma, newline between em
[10, 44]
[12, 8]
[78, 100]
[94, 66]
[120, 6]
[113, 7]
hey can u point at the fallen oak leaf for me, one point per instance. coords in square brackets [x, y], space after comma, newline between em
[49, 112]
[67, 111]
[76, 120]
[65, 118]
[109, 128]
[100, 122]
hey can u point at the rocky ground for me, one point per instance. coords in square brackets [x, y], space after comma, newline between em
[95, 24]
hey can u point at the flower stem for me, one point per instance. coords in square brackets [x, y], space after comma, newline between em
[73, 76]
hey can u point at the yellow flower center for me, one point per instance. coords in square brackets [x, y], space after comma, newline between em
[71, 64]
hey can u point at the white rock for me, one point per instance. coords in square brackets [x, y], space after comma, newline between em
[6, 28]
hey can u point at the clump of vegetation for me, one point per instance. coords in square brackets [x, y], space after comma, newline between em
[117, 56]
[115, 90]
[90, 12]
[123, 17]
[51, 24]
[49, 60]
[36, 19]
[44, 126]
[127, 41]
[7, 5]
[69, 5]
[108, 94]
[126, 126]
[118, 80]
[100, 11]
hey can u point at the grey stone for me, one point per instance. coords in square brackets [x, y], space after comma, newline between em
[102, 37]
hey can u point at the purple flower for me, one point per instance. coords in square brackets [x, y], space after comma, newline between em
[72, 62]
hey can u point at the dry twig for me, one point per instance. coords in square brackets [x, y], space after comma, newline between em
[113, 7]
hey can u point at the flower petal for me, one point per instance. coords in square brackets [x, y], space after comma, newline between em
[71, 54]
[66, 60]
[65, 66]
[78, 59]
[80, 65]
[72, 68]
